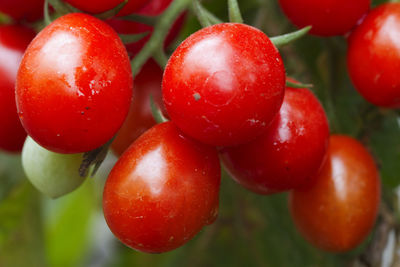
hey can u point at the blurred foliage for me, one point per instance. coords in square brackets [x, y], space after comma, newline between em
[251, 230]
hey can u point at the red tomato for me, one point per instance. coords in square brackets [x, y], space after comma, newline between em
[339, 210]
[373, 56]
[152, 8]
[140, 118]
[289, 153]
[162, 190]
[74, 85]
[13, 42]
[100, 6]
[29, 10]
[224, 84]
[327, 17]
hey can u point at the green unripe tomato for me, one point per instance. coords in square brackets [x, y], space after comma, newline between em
[51, 173]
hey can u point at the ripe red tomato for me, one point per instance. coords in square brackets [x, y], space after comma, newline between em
[338, 211]
[162, 190]
[13, 42]
[224, 84]
[289, 153]
[152, 8]
[327, 17]
[373, 56]
[140, 118]
[100, 6]
[74, 85]
[29, 10]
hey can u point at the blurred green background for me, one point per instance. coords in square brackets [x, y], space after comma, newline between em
[251, 230]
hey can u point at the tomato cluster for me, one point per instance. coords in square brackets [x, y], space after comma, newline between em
[224, 90]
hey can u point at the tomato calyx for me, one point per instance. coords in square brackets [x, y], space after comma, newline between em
[288, 38]
[156, 112]
[292, 84]
[93, 159]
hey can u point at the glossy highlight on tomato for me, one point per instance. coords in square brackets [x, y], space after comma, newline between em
[224, 84]
[152, 8]
[140, 118]
[338, 211]
[327, 17]
[13, 42]
[74, 85]
[289, 153]
[20, 10]
[373, 56]
[162, 190]
[100, 6]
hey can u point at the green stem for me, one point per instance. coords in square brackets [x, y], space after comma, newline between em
[161, 29]
[234, 12]
[59, 7]
[131, 38]
[210, 16]
[200, 14]
[148, 20]
[161, 58]
[156, 111]
[285, 39]
[46, 14]
[298, 85]
[112, 12]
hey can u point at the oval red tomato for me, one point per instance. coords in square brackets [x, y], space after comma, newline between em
[13, 42]
[289, 153]
[100, 6]
[29, 10]
[338, 211]
[162, 190]
[140, 118]
[327, 17]
[74, 85]
[152, 8]
[373, 56]
[224, 84]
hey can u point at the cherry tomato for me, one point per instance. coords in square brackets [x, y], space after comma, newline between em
[162, 190]
[373, 56]
[152, 8]
[29, 10]
[140, 118]
[51, 173]
[289, 153]
[224, 84]
[13, 42]
[327, 17]
[100, 6]
[338, 211]
[74, 85]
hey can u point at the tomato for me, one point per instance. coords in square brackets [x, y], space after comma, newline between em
[224, 84]
[100, 6]
[140, 118]
[51, 173]
[328, 17]
[162, 190]
[338, 211]
[13, 42]
[152, 8]
[30, 10]
[74, 85]
[289, 153]
[373, 56]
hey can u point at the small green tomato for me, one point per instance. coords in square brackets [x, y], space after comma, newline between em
[51, 173]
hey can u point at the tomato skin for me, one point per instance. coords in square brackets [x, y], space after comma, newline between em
[339, 210]
[29, 10]
[224, 84]
[140, 118]
[74, 85]
[373, 56]
[289, 153]
[152, 8]
[100, 6]
[162, 190]
[328, 17]
[13, 42]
